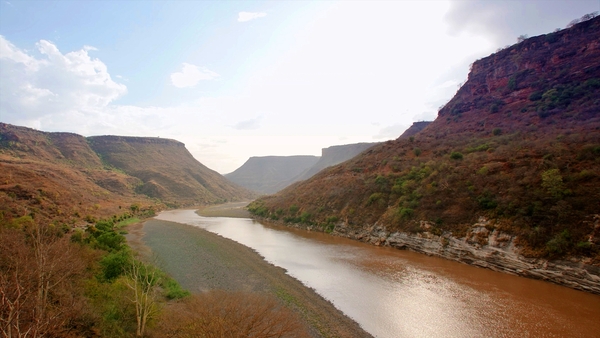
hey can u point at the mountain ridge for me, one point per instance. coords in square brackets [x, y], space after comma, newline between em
[65, 177]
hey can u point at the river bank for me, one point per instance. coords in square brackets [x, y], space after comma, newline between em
[483, 246]
[202, 261]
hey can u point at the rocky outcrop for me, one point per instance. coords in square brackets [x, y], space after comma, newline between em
[484, 246]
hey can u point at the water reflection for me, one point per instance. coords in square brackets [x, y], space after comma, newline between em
[393, 293]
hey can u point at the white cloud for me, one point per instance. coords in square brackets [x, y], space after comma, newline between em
[247, 16]
[248, 124]
[190, 75]
[34, 88]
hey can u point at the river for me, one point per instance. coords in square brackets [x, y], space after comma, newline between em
[395, 293]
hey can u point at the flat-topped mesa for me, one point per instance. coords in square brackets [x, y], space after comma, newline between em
[345, 151]
[49, 146]
[135, 139]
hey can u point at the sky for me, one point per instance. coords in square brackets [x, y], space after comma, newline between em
[235, 79]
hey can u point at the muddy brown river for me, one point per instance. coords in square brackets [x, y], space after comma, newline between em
[395, 293]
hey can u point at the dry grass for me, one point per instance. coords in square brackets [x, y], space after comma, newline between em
[228, 314]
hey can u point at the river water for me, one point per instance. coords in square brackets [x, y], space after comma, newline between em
[395, 293]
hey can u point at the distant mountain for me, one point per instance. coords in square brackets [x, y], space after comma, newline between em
[414, 129]
[65, 177]
[512, 163]
[331, 156]
[269, 174]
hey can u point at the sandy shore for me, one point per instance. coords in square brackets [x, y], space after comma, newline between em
[202, 261]
[232, 209]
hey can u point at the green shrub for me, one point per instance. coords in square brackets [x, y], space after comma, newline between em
[481, 147]
[406, 212]
[483, 171]
[559, 244]
[497, 131]
[584, 247]
[381, 180]
[172, 289]
[536, 96]
[592, 83]
[552, 181]
[329, 228]
[417, 151]
[494, 108]
[110, 241]
[374, 198]
[487, 201]
[114, 264]
[455, 155]
[305, 217]
[512, 83]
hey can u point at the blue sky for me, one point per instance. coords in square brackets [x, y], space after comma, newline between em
[238, 79]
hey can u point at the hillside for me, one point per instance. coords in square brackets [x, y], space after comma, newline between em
[167, 170]
[269, 174]
[59, 177]
[511, 164]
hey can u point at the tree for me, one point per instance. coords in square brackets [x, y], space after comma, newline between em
[522, 38]
[142, 280]
[39, 267]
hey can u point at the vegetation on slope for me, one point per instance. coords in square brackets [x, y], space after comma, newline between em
[55, 282]
[167, 170]
[519, 144]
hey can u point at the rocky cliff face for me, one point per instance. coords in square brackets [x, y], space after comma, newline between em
[518, 147]
[539, 81]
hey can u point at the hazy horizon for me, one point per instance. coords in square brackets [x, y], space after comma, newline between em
[234, 80]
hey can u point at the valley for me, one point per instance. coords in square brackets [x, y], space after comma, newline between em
[483, 222]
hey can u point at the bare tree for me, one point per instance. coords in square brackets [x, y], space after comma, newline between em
[522, 38]
[38, 269]
[142, 280]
